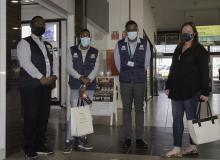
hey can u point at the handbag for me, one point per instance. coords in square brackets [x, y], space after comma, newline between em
[81, 120]
[204, 130]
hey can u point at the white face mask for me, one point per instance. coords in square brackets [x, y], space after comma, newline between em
[85, 41]
[132, 35]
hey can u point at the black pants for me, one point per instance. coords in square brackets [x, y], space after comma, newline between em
[36, 107]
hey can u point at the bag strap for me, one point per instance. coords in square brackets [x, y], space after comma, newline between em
[209, 112]
[80, 102]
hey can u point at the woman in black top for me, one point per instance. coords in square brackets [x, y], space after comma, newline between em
[187, 82]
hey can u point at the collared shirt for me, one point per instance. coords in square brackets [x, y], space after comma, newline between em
[24, 57]
[74, 73]
[132, 48]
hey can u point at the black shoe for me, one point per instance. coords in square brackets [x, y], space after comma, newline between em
[141, 144]
[126, 143]
[30, 155]
[84, 144]
[68, 148]
[44, 151]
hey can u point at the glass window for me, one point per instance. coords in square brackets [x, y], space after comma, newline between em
[166, 48]
[215, 67]
[214, 48]
[163, 67]
[161, 48]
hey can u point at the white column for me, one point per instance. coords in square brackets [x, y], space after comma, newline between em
[137, 14]
[149, 20]
[2, 77]
[71, 40]
[118, 16]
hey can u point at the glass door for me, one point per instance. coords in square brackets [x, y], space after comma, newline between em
[162, 70]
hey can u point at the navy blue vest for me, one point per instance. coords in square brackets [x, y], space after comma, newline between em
[134, 74]
[38, 60]
[83, 68]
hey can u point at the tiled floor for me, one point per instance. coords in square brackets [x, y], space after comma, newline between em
[106, 139]
[97, 156]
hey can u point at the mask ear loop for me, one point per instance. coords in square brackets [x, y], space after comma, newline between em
[192, 35]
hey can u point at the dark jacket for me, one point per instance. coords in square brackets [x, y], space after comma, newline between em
[189, 73]
[83, 68]
[134, 74]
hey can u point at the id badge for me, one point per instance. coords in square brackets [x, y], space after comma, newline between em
[130, 64]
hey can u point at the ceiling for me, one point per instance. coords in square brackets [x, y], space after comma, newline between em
[171, 14]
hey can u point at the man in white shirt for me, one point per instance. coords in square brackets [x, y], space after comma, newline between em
[82, 66]
[39, 70]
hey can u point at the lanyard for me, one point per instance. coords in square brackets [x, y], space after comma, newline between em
[129, 50]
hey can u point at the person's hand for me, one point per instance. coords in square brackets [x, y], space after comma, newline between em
[204, 98]
[82, 91]
[44, 81]
[167, 92]
[52, 80]
[85, 80]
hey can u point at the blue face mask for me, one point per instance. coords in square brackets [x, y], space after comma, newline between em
[85, 41]
[132, 35]
[185, 37]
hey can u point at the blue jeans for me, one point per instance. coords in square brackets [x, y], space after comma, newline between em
[188, 106]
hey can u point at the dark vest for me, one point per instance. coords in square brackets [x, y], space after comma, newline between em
[134, 74]
[83, 68]
[38, 60]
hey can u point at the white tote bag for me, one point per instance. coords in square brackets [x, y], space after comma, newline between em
[204, 130]
[81, 121]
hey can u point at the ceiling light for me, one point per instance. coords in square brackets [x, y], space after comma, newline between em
[14, 1]
[14, 41]
[28, 1]
[15, 28]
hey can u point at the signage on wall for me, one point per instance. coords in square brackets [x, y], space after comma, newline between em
[213, 30]
[115, 35]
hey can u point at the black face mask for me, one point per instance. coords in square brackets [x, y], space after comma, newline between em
[185, 37]
[38, 31]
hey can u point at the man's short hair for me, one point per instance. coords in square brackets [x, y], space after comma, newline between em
[84, 30]
[130, 23]
[34, 18]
